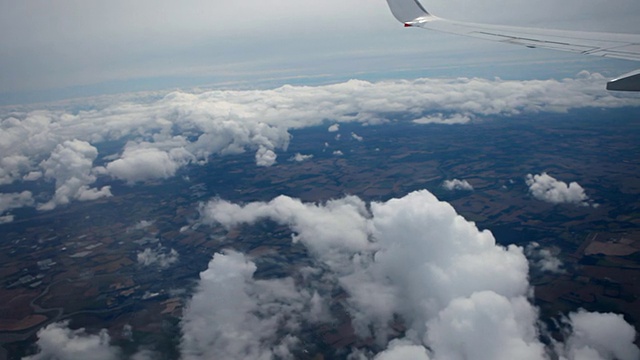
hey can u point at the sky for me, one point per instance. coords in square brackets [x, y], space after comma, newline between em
[69, 48]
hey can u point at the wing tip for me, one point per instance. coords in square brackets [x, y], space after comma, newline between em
[627, 82]
[407, 11]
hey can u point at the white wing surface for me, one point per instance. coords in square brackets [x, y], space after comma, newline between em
[610, 45]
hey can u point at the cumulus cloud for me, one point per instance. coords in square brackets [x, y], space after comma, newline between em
[456, 184]
[143, 163]
[543, 259]
[265, 157]
[249, 319]
[401, 350]
[356, 137]
[460, 295]
[70, 165]
[160, 257]
[604, 336]
[300, 157]
[334, 128]
[338, 153]
[546, 188]
[162, 134]
[57, 341]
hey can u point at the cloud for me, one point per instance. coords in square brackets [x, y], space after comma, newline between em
[402, 350]
[10, 201]
[300, 158]
[70, 165]
[543, 259]
[356, 137]
[440, 119]
[265, 157]
[57, 341]
[140, 164]
[249, 319]
[338, 153]
[159, 257]
[161, 133]
[460, 295]
[599, 336]
[334, 128]
[456, 184]
[143, 224]
[546, 188]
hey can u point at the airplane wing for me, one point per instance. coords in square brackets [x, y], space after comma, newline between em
[610, 45]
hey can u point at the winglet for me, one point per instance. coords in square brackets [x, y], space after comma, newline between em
[627, 82]
[407, 11]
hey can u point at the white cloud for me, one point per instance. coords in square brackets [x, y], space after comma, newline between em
[403, 350]
[460, 294]
[249, 319]
[338, 153]
[139, 164]
[599, 336]
[57, 341]
[143, 224]
[70, 165]
[165, 133]
[334, 127]
[10, 201]
[486, 326]
[543, 259]
[546, 188]
[440, 119]
[159, 257]
[32, 176]
[5, 219]
[356, 137]
[300, 157]
[456, 184]
[265, 157]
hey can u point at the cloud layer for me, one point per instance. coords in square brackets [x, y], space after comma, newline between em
[162, 135]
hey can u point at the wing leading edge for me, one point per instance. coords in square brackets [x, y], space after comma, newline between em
[611, 45]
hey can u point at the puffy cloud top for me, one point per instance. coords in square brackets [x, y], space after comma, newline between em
[57, 341]
[456, 184]
[164, 134]
[460, 294]
[547, 188]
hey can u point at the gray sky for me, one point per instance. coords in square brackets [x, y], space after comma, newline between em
[70, 47]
